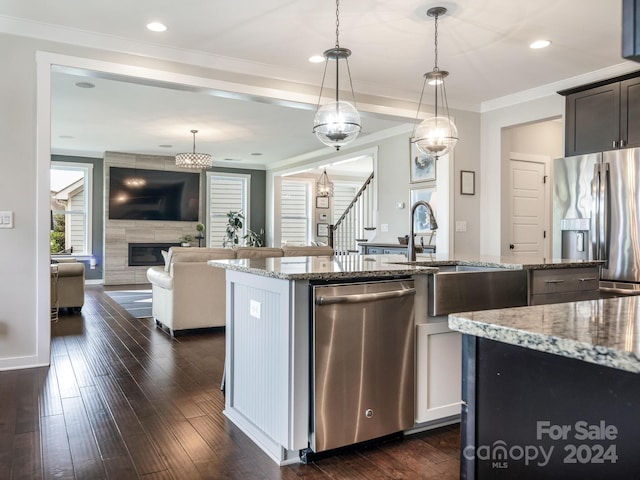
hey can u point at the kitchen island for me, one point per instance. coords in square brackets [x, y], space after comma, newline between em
[269, 336]
[551, 391]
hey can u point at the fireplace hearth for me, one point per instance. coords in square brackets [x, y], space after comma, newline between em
[148, 254]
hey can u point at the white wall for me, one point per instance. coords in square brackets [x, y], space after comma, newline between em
[495, 153]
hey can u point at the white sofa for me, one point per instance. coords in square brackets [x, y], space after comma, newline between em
[187, 293]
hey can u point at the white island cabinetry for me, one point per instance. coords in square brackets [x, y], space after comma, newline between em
[267, 362]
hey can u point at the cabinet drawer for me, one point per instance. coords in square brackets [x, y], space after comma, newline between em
[564, 280]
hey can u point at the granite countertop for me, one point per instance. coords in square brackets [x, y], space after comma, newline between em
[605, 332]
[514, 262]
[361, 266]
[326, 268]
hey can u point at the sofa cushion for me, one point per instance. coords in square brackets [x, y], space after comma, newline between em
[258, 252]
[70, 269]
[302, 251]
[199, 254]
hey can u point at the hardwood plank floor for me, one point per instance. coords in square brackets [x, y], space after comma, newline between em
[123, 400]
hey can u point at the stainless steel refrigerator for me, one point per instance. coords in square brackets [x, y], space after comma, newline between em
[596, 214]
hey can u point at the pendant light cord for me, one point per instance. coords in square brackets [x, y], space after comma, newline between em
[337, 23]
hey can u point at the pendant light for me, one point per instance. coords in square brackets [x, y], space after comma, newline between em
[324, 187]
[337, 123]
[193, 159]
[437, 135]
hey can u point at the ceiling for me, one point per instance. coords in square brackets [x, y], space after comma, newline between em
[482, 43]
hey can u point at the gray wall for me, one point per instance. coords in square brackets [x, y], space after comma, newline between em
[97, 208]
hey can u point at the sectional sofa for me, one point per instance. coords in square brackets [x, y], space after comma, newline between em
[188, 294]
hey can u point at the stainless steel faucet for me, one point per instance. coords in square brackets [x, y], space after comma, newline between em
[411, 248]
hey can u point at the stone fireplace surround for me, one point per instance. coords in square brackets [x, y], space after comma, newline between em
[119, 233]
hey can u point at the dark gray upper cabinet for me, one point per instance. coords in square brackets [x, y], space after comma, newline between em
[630, 112]
[592, 120]
[602, 117]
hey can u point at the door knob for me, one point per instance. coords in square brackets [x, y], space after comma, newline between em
[511, 247]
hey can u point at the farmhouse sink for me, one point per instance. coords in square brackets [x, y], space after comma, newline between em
[463, 288]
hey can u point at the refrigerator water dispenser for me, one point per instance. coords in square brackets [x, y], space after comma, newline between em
[575, 238]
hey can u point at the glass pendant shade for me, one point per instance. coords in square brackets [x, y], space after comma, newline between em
[194, 159]
[324, 187]
[337, 124]
[436, 136]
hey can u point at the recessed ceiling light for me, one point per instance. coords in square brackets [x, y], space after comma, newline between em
[316, 59]
[256, 154]
[66, 137]
[540, 44]
[85, 85]
[231, 159]
[165, 146]
[157, 27]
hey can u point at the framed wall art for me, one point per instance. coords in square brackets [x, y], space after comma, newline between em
[322, 230]
[422, 167]
[467, 182]
[421, 223]
[322, 202]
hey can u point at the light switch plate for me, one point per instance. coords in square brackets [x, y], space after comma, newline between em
[461, 226]
[254, 309]
[6, 219]
[384, 227]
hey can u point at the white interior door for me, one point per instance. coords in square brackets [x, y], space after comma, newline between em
[527, 197]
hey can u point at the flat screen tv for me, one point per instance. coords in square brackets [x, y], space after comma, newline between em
[139, 194]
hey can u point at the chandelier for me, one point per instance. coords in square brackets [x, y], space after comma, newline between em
[324, 187]
[193, 159]
[437, 135]
[337, 123]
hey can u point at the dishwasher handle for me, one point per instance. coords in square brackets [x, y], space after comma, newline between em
[365, 297]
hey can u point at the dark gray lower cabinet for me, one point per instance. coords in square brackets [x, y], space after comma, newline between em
[530, 415]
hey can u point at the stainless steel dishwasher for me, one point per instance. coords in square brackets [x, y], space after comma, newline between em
[362, 362]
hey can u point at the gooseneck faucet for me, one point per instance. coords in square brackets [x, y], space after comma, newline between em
[411, 249]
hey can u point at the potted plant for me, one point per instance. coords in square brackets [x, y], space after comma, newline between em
[235, 221]
[200, 234]
[186, 240]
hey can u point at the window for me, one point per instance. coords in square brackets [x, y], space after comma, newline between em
[295, 226]
[226, 193]
[70, 192]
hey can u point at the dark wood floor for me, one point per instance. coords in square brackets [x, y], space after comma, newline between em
[123, 400]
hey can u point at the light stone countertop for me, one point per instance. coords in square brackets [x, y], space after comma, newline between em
[514, 262]
[605, 332]
[325, 268]
[382, 266]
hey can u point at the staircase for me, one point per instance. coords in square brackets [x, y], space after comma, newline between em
[355, 223]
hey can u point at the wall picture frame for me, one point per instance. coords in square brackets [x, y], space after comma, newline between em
[467, 182]
[322, 230]
[422, 167]
[421, 223]
[322, 202]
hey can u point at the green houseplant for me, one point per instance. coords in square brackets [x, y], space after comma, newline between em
[186, 240]
[235, 222]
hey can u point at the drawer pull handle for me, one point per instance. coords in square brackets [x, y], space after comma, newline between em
[554, 281]
[587, 279]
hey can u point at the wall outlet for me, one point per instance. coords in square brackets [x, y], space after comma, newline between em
[254, 309]
[400, 205]
[6, 219]
[384, 227]
[461, 226]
